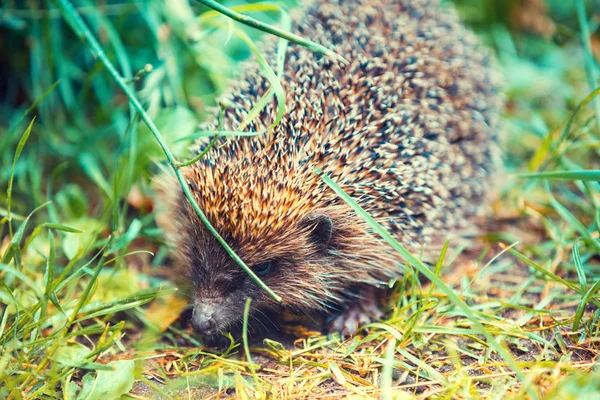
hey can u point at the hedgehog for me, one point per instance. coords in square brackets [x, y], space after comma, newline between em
[408, 127]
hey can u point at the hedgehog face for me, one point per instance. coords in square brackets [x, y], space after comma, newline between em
[293, 267]
[289, 239]
[308, 250]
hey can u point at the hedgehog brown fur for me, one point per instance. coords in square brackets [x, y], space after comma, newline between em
[408, 128]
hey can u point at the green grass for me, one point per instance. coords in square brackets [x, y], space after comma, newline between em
[87, 306]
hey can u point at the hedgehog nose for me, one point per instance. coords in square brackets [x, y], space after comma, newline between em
[203, 320]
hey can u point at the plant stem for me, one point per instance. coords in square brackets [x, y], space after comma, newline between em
[83, 32]
[246, 20]
[210, 145]
[423, 269]
[245, 340]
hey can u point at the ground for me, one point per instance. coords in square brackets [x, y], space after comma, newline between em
[89, 307]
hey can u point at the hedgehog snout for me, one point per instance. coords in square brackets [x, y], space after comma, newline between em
[204, 317]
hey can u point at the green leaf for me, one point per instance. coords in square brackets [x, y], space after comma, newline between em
[71, 352]
[76, 243]
[132, 232]
[74, 354]
[577, 387]
[70, 389]
[39, 228]
[109, 384]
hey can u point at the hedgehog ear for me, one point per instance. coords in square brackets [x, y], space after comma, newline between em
[322, 228]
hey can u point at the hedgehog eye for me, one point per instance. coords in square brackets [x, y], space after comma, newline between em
[263, 269]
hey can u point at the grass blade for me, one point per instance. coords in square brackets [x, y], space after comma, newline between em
[583, 304]
[544, 271]
[245, 341]
[49, 273]
[83, 32]
[579, 265]
[571, 219]
[246, 20]
[586, 175]
[271, 77]
[20, 147]
[423, 269]
[387, 371]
